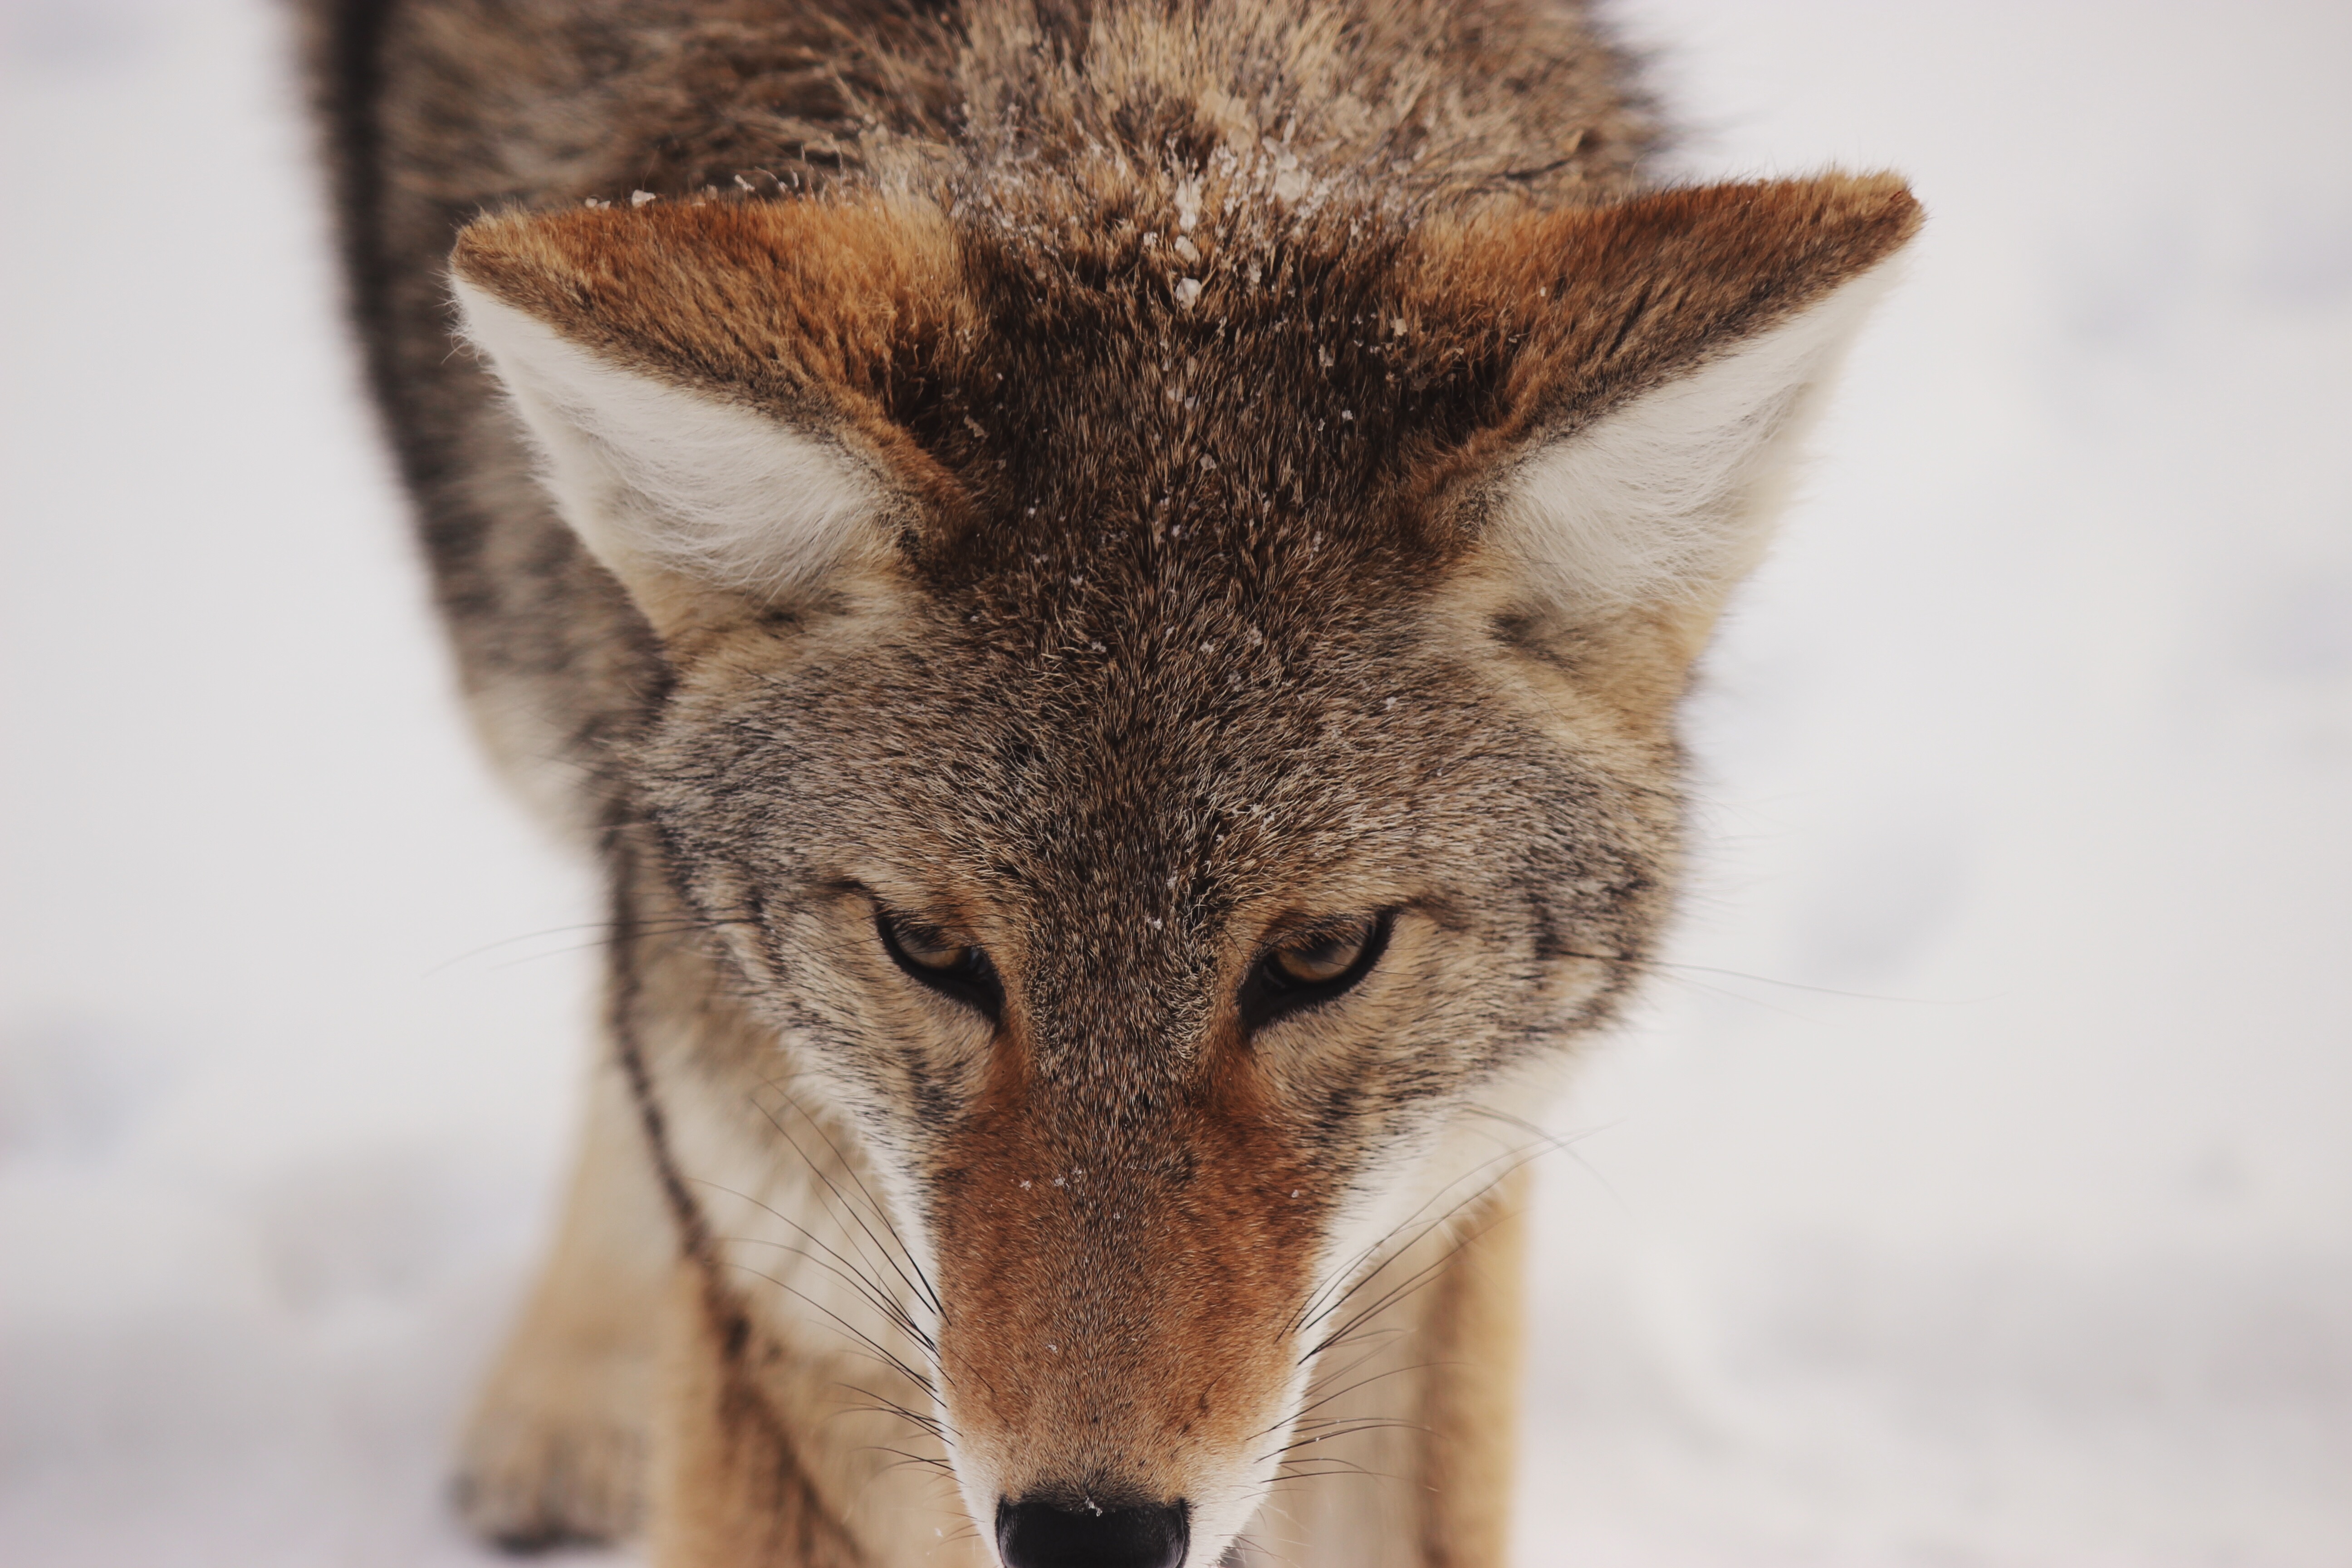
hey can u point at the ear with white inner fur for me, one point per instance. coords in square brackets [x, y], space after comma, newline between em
[1669, 497]
[683, 497]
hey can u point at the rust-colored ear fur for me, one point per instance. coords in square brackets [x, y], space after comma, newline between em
[1658, 362]
[719, 390]
[809, 311]
[1607, 302]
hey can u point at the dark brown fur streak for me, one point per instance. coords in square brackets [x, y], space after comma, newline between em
[1111, 491]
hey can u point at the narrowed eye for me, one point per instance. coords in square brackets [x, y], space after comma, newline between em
[1324, 959]
[954, 969]
[929, 950]
[1313, 968]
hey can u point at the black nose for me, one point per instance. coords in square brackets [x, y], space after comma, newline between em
[1038, 1535]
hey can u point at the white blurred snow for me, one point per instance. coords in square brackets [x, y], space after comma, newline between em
[1978, 1194]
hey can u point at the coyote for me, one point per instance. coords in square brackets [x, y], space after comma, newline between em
[1110, 581]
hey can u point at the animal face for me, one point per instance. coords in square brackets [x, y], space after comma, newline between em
[1144, 965]
[1162, 757]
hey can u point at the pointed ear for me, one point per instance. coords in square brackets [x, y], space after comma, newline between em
[703, 383]
[1672, 348]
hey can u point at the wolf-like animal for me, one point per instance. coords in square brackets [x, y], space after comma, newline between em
[1109, 580]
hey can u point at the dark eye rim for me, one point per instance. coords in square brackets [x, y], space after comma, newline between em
[1269, 994]
[975, 983]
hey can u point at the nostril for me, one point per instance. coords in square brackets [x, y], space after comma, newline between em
[1033, 1533]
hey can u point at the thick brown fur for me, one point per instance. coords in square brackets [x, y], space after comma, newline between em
[1186, 356]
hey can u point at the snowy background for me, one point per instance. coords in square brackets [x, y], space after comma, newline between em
[1979, 1194]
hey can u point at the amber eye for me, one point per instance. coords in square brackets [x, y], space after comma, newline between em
[1326, 957]
[951, 968]
[929, 950]
[1313, 968]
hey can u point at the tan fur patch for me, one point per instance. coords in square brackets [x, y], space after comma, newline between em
[730, 1487]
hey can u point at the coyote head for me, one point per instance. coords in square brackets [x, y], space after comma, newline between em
[1169, 717]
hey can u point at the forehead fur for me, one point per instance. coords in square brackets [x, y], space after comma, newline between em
[1049, 390]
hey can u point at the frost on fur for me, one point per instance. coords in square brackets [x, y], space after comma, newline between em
[654, 476]
[1671, 495]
